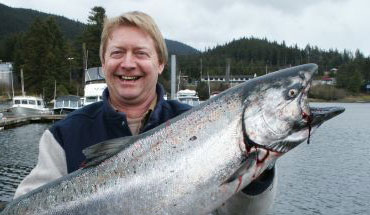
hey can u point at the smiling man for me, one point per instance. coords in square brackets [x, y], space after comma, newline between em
[132, 64]
[133, 54]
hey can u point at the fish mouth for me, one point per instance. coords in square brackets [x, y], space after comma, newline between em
[320, 115]
[300, 132]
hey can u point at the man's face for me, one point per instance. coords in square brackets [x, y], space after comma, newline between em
[131, 65]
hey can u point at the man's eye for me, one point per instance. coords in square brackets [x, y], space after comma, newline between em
[115, 53]
[142, 54]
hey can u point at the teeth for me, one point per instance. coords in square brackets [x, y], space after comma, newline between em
[128, 78]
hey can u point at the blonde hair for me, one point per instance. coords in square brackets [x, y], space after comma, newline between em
[137, 19]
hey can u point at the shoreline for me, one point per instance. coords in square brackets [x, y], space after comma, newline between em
[339, 101]
[364, 98]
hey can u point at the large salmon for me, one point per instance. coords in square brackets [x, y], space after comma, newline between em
[194, 162]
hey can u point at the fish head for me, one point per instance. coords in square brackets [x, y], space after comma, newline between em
[277, 116]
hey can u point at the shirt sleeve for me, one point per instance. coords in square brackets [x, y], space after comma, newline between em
[256, 199]
[51, 165]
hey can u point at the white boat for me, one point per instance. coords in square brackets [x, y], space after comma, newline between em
[94, 85]
[189, 97]
[28, 105]
[93, 93]
[66, 104]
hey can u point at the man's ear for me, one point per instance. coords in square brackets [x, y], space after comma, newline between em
[103, 67]
[161, 68]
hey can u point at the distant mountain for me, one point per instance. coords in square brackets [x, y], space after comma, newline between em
[15, 20]
[178, 48]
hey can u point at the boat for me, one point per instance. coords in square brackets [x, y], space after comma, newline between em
[93, 93]
[94, 85]
[66, 104]
[189, 97]
[28, 105]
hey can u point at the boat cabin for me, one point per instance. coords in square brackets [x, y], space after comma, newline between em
[28, 101]
[189, 97]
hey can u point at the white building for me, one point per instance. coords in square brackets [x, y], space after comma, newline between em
[6, 70]
[233, 79]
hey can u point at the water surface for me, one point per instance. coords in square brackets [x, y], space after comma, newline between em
[331, 175]
[18, 155]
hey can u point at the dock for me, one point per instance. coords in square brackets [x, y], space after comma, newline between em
[19, 121]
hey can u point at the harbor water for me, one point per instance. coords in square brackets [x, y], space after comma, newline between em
[331, 175]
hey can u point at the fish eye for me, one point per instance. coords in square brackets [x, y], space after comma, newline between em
[292, 93]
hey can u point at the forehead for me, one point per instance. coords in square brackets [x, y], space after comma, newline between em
[130, 35]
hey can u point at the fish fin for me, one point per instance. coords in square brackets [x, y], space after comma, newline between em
[99, 152]
[243, 169]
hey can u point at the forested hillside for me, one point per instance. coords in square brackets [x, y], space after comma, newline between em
[249, 56]
[17, 20]
[53, 49]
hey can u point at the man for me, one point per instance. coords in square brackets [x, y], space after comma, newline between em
[133, 55]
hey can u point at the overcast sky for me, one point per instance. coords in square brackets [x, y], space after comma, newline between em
[328, 24]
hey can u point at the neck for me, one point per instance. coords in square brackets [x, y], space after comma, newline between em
[134, 110]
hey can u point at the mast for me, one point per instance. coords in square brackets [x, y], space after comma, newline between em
[209, 87]
[12, 83]
[55, 90]
[22, 82]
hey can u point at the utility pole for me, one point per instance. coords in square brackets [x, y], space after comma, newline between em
[173, 76]
[209, 87]
[55, 90]
[227, 77]
[22, 82]
[201, 68]
[70, 70]
[266, 69]
[84, 62]
[12, 84]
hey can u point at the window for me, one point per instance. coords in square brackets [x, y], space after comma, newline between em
[59, 104]
[74, 104]
[91, 99]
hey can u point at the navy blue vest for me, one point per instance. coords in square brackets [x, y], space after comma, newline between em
[99, 122]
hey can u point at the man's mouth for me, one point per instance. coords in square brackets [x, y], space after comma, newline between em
[129, 78]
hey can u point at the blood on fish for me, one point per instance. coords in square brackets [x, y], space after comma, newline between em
[240, 182]
[264, 158]
[83, 164]
[309, 121]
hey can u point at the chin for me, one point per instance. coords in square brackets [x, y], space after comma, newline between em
[129, 96]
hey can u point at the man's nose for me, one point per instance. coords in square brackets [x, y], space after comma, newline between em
[128, 61]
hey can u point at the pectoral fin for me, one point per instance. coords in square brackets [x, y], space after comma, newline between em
[243, 175]
[99, 152]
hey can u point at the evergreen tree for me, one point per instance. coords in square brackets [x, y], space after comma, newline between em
[42, 56]
[91, 35]
[355, 82]
[349, 77]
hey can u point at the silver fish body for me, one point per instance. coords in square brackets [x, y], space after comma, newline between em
[193, 163]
